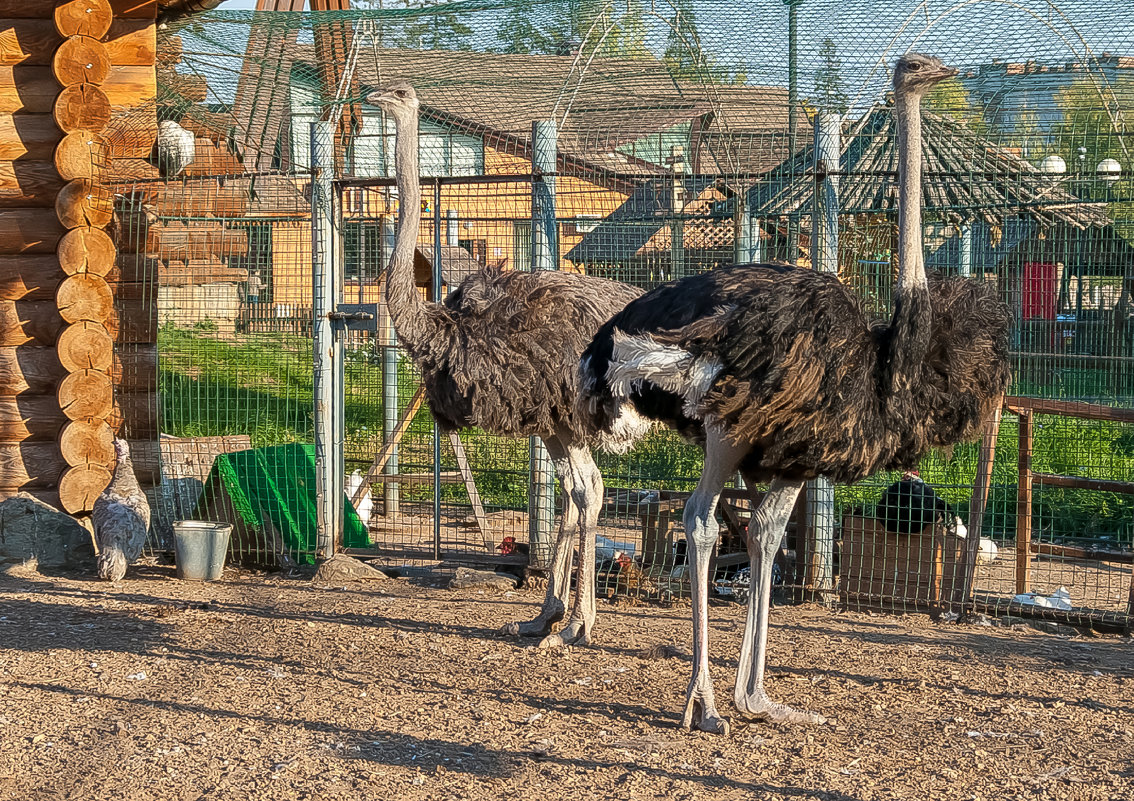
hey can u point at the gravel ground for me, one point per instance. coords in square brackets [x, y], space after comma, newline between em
[271, 688]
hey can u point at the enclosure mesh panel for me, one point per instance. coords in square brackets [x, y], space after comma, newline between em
[685, 141]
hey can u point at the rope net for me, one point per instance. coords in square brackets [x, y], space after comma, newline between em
[686, 139]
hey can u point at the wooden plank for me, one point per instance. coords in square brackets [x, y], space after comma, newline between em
[25, 184]
[29, 137]
[33, 89]
[447, 477]
[1081, 552]
[1084, 411]
[130, 42]
[470, 486]
[1078, 482]
[388, 446]
[196, 198]
[201, 272]
[1024, 505]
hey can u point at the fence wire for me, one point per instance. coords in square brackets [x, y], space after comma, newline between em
[686, 141]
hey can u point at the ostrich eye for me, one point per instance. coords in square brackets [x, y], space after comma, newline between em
[915, 67]
[400, 93]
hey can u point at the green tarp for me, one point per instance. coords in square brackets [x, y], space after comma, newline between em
[268, 494]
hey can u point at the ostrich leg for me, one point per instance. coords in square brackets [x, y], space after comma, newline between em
[701, 529]
[586, 491]
[765, 532]
[559, 582]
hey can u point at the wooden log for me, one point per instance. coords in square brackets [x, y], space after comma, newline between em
[86, 346]
[85, 297]
[80, 59]
[25, 321]
[82, 154]
[1024, 505]
[30, 417]
[87, 250]
[29, 277]
[87, 393]
[29, 231]
[83, 17]
[181, 242]
[29, 137]
[87, 442]
[131, 133]
[82, 203]
[28, 183]
[21, 322]
[30, 464]
[130, 42]
[134, 9]
[37, 370]
[34, 89]
[45, 9]
[83, 106]
[80, 486]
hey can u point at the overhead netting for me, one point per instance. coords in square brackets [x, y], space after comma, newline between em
[686, 139]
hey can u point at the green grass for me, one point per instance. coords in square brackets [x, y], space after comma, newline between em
[260, 385]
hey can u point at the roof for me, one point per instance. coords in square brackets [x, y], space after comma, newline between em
[609, 104]
[640, 225]
[965, 178]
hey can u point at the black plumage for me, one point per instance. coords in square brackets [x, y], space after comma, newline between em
[909, 505]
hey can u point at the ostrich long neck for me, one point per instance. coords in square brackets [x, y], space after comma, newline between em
[408, 309]
[911, 323]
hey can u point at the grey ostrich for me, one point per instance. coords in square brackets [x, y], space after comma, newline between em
[783, 376]
[502, 353]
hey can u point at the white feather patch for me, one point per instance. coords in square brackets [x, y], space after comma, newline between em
[628, 427]
[641, 358]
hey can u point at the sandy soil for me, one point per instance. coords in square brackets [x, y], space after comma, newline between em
[274, 688]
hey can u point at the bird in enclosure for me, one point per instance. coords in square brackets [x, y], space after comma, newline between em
[783, 376]
[174, 149]
[502, 354]
[909, 505]
[121, 518]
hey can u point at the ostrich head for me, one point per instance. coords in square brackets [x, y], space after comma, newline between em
[916, 73]
[399, 100]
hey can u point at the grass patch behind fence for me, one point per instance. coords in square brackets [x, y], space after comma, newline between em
[261, 385]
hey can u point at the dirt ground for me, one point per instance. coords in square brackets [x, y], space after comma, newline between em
[261, 687]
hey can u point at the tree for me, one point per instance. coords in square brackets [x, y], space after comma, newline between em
[686, 57]
[830, 93]
[950, 99]
[434, 30]
[594, 25]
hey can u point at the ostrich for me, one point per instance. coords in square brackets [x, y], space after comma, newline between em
[502, 353]
[782, 375]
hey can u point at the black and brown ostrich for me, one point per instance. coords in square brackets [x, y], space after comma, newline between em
[502, 354]
[783, 376]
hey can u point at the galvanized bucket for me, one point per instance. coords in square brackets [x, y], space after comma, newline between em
[200, 548]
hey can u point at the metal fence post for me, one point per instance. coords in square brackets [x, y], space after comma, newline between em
[545, 256]
[437, 280]
[327, 277]
[966, 250]
[824, 257]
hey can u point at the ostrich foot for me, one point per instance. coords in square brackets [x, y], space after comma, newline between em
[538, 627]
[701, 714]
[576, 632]
[757, 706]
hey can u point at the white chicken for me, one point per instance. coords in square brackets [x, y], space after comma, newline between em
[121, 518]
[174, 149]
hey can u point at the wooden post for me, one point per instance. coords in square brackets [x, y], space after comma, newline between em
[963, 584]
[1024, 505]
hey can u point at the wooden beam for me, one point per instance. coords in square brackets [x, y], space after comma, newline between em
[1078, 482]
[134, 321]
[29, 277]
[130, 42]
[29, 231]
[1024, 505]
[1084, 411]
[1080, 552]
[28, 137]
[33, 89]
[388, 446]
[25, 184]
[36, 370]
[45, 9]
[38, 418]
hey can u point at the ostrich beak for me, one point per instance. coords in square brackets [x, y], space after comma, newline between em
[380, 98]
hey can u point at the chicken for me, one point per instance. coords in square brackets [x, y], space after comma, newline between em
[631, 578]
[174, 149]
[529, 577]
[121, 518]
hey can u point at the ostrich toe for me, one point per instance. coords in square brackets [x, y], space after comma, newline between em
[757, 706]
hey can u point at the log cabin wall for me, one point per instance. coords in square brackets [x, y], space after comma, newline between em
[78, 359]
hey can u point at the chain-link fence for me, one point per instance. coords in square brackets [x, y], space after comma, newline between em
[685, 140]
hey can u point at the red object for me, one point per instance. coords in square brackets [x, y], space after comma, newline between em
[1040, 291]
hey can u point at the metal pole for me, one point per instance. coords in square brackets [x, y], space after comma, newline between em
[436, 431]
[967, 250]
[793, 113]
[824, 257]
[677, 224]
[391, 492]
[327, 360]
[452, 238]
[545, 256]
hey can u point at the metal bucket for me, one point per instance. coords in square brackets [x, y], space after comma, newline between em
[200, 548]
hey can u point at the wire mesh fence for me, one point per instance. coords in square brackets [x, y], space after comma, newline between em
[686, 140]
